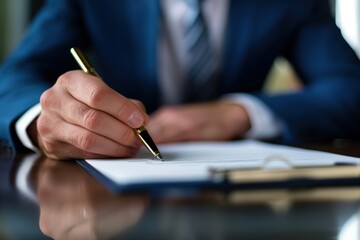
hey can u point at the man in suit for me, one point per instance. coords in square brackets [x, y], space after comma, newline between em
[142, 49]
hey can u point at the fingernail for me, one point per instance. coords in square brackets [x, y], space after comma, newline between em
[136, 120]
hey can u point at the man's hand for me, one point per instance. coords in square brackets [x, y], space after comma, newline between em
[82, 117]
[213, 121]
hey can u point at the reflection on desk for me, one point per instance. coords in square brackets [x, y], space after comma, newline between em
[73, 205]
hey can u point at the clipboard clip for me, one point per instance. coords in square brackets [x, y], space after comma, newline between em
[275, 168]
[266, 164]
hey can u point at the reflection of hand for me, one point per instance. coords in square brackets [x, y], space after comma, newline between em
[74, 206]
[197, 122]
[82, 117]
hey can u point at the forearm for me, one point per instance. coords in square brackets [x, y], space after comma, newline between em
[323, 111]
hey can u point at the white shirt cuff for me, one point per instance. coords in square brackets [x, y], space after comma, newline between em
[23, 123]
[264, 124]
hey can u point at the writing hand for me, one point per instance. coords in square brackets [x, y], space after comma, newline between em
[215, 121]
[82, 117]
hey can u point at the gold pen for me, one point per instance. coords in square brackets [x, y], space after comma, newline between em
[141, 132]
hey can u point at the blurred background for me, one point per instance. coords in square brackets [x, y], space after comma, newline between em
[15, 15]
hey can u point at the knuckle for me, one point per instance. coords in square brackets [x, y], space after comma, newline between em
[91, 119]
[49, 149]
[64, 80]
[42, 126]
[96, 96]
[122, 110]
[43, 225]
[46, 99]
[86, 141]
[127, 136]
[71, 81]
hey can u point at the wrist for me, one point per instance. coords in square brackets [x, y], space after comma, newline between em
[264, 124]
[239, 118]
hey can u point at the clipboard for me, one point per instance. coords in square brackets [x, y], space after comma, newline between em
[237, 179]
[273, 171]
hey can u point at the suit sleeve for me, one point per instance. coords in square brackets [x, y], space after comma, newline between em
[328, 106]
[36, 63]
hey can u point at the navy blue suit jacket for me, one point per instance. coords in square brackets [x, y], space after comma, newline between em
[122, 38]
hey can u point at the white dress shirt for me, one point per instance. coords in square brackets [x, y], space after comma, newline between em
[171, 59]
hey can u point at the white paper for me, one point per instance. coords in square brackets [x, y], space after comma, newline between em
[190, 162]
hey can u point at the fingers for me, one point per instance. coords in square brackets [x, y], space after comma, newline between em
[98, 122]
[94, 143]
[213, 121]
[83, 118]
[172, 124]
[96, 94]
[72, 141]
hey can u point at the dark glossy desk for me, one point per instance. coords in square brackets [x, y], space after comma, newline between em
[42, 198]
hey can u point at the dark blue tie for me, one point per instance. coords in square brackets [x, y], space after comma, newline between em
[201, 84]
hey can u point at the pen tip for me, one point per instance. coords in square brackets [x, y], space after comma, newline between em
[160, 157]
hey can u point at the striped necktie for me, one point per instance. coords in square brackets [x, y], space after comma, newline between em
[201, 84]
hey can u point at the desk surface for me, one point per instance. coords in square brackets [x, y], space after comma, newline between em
[42, 198]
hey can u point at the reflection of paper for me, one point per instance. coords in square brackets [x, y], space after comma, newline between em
[191, 161]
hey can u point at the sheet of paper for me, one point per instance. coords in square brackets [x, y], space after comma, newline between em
[189, 162]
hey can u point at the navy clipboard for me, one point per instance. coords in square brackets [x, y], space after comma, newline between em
[231, 179]
[243, 164]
